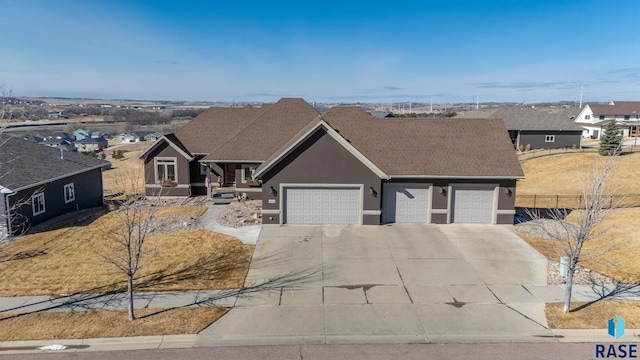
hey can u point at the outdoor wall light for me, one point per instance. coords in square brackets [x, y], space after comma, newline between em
[373, 192]
[508, 191]
[273, 191]
[443, 190]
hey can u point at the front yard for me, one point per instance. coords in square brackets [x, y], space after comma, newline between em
[67, 260]
[620, 244]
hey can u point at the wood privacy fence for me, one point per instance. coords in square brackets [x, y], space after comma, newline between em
[572, 201]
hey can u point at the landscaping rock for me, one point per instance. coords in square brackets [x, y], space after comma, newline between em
[241, 213]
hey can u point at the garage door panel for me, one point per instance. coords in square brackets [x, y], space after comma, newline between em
[473, 206]
[406, 203]
[321, 205]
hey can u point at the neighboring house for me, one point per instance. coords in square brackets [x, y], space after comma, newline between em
[382, 114]
[135, 136]
[154, 136]
[81, 134]
[343, 167]
[39, 183]
[594, 118]
[59, 143]
[61, 135]
[99, 135]
[142, 135]
[536, 128]
[127, 138]
[90, 144]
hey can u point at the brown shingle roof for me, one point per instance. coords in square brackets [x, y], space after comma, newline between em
[268, 132]
[214, 127]
[429, 147]
[619, 108]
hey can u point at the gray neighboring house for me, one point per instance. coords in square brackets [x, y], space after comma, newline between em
[343, 166]
[89, 144]
[38, 183]
[538, 128]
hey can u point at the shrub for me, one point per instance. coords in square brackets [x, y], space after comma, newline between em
[528, 147]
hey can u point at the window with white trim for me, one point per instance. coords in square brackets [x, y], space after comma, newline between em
[37, 204]
[247, 173]
[587, 117]
[166, 170]
[550, 138]
[69, 193]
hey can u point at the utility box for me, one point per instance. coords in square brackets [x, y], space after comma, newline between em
[564, 266]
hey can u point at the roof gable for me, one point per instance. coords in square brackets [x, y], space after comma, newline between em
[305, 134]
[173, 142]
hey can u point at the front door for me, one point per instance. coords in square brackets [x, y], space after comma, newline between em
[230, 174]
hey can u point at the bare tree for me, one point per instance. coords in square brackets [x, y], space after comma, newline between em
[569, 237]
[126, 248]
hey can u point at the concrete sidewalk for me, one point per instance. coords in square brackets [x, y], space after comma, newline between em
[361, 284]
[246, 234]
[301, 319]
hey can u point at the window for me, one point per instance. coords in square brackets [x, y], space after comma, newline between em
[627, 117]
[166, 170]
[247, 173]
[37, 203]
[69, 193]
[601, 117]
[203, 169]
[549, 138]
[587, 117]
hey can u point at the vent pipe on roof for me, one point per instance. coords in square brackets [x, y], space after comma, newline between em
[61, 154]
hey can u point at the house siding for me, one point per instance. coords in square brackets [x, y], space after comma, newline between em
[183, 187]
[563, 139]
[88, 194]
[320, 160]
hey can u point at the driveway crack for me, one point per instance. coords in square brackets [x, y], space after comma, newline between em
[515, 310]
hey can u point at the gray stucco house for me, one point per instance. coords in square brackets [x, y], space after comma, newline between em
[38, 183]
[342, 167]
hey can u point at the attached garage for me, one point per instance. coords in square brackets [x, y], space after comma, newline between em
[406, 203]
[473, 205]
[322, 205]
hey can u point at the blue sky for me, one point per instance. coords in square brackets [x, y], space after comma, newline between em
[326, 51]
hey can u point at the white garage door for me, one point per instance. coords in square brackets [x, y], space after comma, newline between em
[473, 206]
[405, 203]
[321, 206]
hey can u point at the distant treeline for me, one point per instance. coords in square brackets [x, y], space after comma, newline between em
[130, 116]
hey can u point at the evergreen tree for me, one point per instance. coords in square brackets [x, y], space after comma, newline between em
[610, 140]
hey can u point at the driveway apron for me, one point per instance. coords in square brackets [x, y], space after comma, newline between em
[401, 283]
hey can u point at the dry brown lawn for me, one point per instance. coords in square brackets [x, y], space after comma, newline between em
[107, 323]
[562, 174]
[620, 244]
[67, 260]
[593, 316]
[118, 177]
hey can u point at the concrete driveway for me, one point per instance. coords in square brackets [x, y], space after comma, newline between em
[396, 283]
